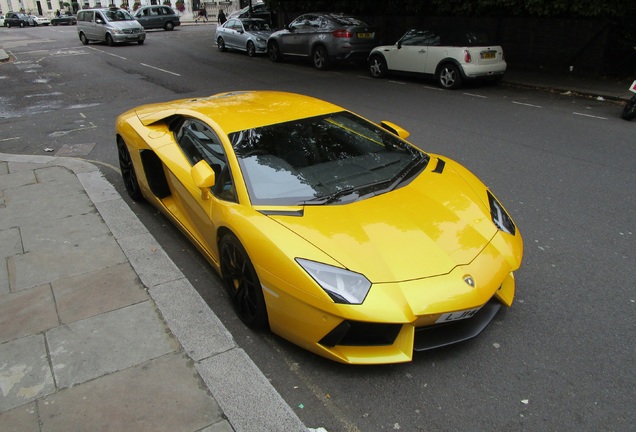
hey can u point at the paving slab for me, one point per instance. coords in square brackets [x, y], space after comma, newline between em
[25, 374]
[27, 312]
[106, 343]
[21, 419]
[96, 292]
[154, 396]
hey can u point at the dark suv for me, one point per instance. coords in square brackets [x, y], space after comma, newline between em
[15, 19]
[157, 17]
[323, 37]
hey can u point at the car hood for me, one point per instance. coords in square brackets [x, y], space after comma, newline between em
[424, 229]
[261, 33]
[126, 24]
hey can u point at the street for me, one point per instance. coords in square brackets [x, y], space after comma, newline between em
[561, 358]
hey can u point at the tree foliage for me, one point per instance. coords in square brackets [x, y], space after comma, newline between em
[540, 8]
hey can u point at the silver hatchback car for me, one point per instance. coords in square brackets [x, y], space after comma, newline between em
[324, 38]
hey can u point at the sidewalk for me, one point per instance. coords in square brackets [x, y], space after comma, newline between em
[99, 330]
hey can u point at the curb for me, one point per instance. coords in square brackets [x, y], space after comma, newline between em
[244, 394]
[3, 56]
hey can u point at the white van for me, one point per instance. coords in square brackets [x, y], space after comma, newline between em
[112, 25]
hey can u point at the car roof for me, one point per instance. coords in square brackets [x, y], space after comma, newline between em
[241, 110]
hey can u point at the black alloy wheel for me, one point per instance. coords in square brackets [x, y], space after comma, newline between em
[320, 58]
[242, 284]
[128, 171]
[251, 49]
[273, 51]
[220, 43]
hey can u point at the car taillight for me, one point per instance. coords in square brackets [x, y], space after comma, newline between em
[467, 57]
[342, 33]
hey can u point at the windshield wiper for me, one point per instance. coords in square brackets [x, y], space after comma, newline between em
[329, 198]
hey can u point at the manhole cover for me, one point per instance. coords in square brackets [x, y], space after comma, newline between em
[74, 150]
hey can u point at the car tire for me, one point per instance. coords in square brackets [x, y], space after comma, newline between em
[449, 76]
[220, 44]
[128, 171]
[109, 40]
[320, 58]
[83, 39]
[242, 284]
[169, 26]
[21, 25]
[54, 23]
[629, 112]
[273, 52]
[251, 49]
[141, 42]
[377, 66]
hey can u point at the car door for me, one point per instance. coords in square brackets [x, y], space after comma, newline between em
[233, 34]
[411, 52]
[296, 39]
[196, 210]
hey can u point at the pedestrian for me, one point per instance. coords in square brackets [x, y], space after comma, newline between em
[222, 17]
[203, 13]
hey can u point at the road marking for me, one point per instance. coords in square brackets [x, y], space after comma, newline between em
[589, 115]
[527, 104]
[397, 82]
[105, 52]
[161, 70]
[476, 95]
[9, 139]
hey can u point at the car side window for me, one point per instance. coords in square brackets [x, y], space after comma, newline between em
[420, 38]
[199, 142]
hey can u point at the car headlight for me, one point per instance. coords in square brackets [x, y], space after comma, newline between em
[500, 218]
[343, 286]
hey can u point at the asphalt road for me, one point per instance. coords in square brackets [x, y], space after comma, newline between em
[562, 358]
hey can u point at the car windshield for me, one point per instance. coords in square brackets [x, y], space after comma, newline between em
[255, 25]
[348, 21]
[327, 159]
[118, 15]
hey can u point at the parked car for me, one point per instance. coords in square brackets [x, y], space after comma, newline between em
[64, 19]
[17, 19]
[259, 10]
[450, 55]
[324, 38]
[157, 17]
[330, 230]
[38, 20]
[243, 34]
[112, 25]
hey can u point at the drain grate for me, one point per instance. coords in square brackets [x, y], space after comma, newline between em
[75, 150]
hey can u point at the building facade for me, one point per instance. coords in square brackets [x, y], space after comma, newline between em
[188, 9]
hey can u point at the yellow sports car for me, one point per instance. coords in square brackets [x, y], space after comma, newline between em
[329, 229]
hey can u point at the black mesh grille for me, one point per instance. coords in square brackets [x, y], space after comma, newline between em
[353, 333]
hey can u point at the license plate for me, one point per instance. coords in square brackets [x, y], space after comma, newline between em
[488, 54]
[456, 316]
[365, 35]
